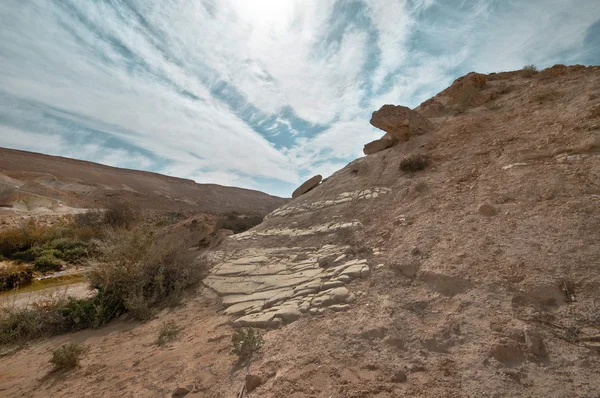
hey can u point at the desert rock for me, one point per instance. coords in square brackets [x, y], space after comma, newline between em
[400, 121]
[377, 146]
[307, 186]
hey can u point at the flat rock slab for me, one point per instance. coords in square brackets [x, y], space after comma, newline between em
[377, 146]
[307, 186]
[270, 288]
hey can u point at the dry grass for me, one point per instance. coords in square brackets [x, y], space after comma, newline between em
[167, 332]
[68, 356]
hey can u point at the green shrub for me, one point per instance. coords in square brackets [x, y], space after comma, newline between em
[246, 341]
[48, 262]
[167, 332]
[68, 356]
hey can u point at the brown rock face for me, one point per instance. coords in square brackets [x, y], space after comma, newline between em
[400, 122]
[307, 186]
[377, 146]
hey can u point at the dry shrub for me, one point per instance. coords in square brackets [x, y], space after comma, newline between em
[137, 271]
[529, 71]
[13, 277]
[116, 215]
[414, 162]
[68, 356]
[167, 332]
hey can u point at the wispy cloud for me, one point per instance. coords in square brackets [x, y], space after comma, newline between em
[259, 93]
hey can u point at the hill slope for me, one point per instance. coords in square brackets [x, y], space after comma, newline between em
[43, 180]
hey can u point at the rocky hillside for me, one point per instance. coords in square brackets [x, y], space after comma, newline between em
[459, 258]
[30, 181]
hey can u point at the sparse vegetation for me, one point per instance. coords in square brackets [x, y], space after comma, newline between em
[68, 356]
[116, 215]
[529, 71]
[47, 247]
[414, 162]
[134, 272]
[246, 341]
[167, 332]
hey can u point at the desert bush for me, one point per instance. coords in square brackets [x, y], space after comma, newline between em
[13, 278]
[139, 271]
[116, 215]
[529, 71]
[48, 262]
[55, 315]
[31, 241]
[414, 162]
[68, 356]
[120, 215]
[246, 341]
[167, 332]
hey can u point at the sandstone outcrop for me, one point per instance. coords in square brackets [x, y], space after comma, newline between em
[400, 122]
[307, 186]
[377, 146]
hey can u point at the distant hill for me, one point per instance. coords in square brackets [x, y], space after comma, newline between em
[35, 180]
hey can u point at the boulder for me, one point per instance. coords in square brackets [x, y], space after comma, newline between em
[400, 122]
[377, 146]
[307, 186]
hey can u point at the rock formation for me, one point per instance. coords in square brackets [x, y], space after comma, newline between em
[377, 146]
[399, 123]
[307, 186]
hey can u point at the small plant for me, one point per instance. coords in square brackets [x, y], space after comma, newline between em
[414, 162]
[246, 341]
[167, 332]
[529, 70]
[67, 356]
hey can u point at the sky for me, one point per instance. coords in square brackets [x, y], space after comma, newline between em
[259, 94]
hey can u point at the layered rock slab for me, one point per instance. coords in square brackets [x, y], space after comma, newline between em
[269, 290]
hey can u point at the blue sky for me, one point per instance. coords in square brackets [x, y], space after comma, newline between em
[253, 93]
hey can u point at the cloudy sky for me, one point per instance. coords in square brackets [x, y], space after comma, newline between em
[253, 93]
